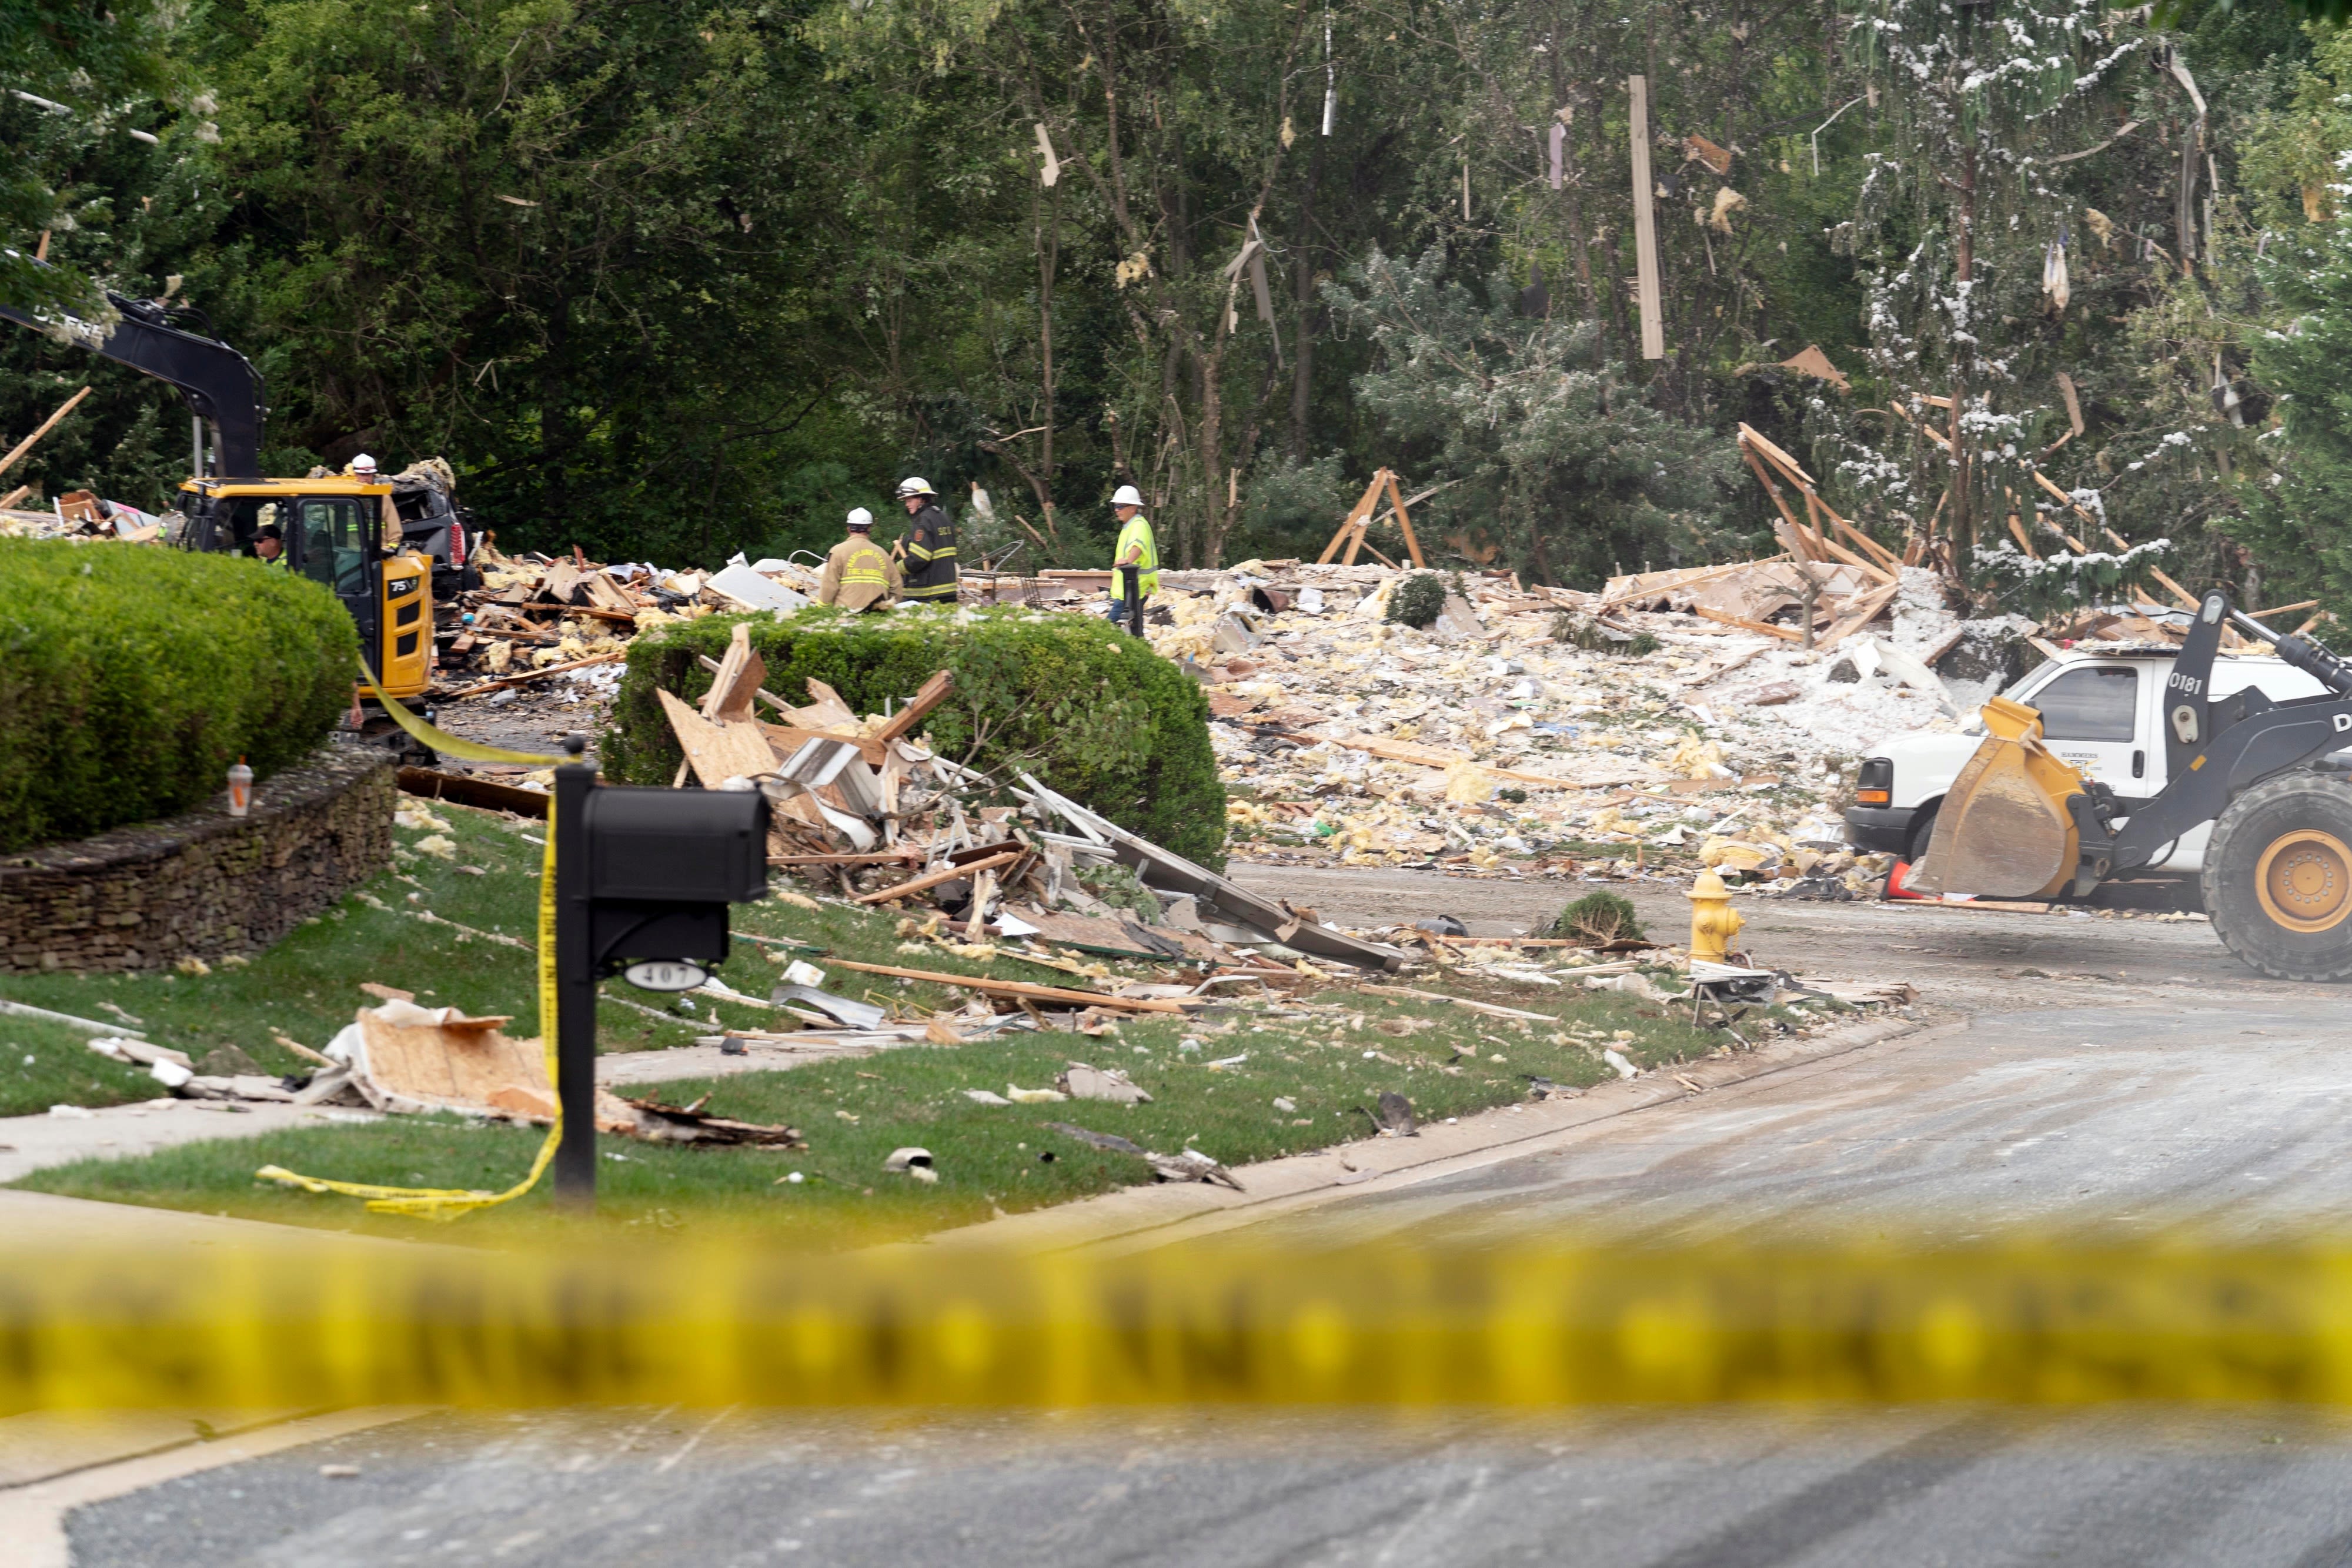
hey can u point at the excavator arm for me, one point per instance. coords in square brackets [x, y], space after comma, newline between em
[221, 386]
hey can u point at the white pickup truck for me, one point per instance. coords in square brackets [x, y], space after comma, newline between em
[2100, 711]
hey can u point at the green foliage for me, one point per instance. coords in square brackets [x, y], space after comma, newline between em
[1119, 887]
[1418, 601]
[1569, 464]
[131, 678]
[94, 62]
[1093, 713]
[1599, 918]
[2063, 581]
[1585, 632]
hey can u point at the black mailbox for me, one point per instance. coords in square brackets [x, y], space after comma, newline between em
[664, 864]
[676, 846]
[643, 878]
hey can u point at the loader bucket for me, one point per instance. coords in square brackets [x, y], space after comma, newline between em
[2003, 830]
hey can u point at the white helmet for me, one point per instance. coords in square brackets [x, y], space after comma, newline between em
[363, 464]
[914, 488]
[1127, 495]
[860, 520]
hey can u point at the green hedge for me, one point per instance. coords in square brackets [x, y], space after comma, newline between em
[133, 678]
[1093, 712]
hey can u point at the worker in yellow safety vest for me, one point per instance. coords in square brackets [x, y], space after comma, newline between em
[1136, 548]
[859, 574]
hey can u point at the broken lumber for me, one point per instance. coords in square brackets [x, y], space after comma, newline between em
[1017, 989]
[1489, 1008]
[718, 752]
[934, 692]
[468, 791]
[46, 426]
[488, 686]
[932, 879]
[1725, 617]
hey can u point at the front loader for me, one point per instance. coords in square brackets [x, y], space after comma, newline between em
[2019, 823]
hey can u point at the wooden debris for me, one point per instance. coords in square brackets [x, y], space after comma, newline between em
[932, 879]
[1017, 989]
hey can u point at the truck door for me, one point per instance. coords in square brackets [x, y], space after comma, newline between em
[337, 542]
[2090, 718]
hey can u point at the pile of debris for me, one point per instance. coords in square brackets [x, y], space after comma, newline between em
[858, 804]
[80, 515]
[400, 1059]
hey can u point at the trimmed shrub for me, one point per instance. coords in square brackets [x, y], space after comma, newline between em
[1418, 601]
[131, 678]
[1091, 711]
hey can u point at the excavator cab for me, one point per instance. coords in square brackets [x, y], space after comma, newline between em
[344, 534]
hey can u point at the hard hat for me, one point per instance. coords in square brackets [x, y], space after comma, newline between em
[860, 520]
[914, 488]
[1127, 495]
[363, 464]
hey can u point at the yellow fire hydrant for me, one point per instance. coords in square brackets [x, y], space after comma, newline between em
[1714, 923]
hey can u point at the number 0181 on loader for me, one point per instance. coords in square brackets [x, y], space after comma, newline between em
[2019, 823]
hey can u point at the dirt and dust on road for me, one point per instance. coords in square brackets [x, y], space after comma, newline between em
[1963, 958]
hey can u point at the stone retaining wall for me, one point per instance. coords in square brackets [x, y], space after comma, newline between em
[202, 884]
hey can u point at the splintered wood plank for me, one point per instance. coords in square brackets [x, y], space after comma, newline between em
[932, 879]
[718, 752]
[826, 709]
[933, 693]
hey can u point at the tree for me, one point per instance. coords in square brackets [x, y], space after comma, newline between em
[1983, 101]
[87, 60]
[1536, 429]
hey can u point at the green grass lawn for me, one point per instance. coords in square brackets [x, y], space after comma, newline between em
[1328, 1057]
[1327, 1054]
[307, 987]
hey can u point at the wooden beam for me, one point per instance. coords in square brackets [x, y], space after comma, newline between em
[1645, 224]
[1773, 491]
[933, 693]
[1348, 524]
[2017, 531]
[932, 879]
[1404, 521]
[1860, 611]
[1364, 517]
[1766, 628]
[2285, 609]
[488, 686]
[46, 426]
[878, 857]
[1015, 988]
[14, 495]
[1780, 460]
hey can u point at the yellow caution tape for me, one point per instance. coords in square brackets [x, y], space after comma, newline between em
[449, 1203]
[332, 1322]
[441, 740]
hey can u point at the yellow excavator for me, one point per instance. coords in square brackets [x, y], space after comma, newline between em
[347, 534]
[2020, 822]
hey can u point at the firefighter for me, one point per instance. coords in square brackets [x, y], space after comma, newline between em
[859, 574]
[927, 548]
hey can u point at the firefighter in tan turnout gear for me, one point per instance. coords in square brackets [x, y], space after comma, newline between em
[859, 574]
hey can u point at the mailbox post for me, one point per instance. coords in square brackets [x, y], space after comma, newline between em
[643, 875]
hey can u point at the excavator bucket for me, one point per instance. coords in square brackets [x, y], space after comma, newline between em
[2003, 830]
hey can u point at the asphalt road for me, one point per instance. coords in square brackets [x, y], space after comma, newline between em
[2121, 1071]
